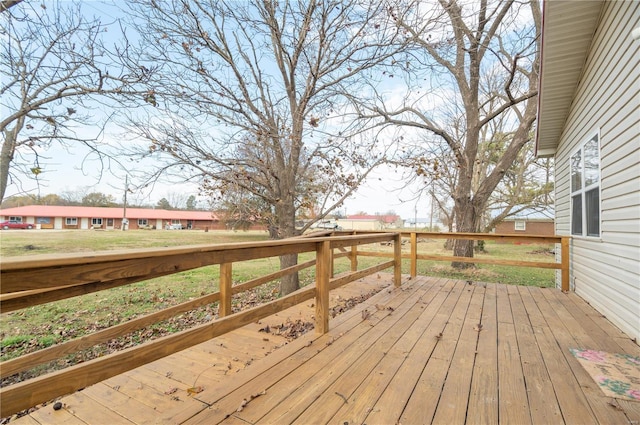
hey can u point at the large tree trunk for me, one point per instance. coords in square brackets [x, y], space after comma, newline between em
[286, 215]
[466, 219]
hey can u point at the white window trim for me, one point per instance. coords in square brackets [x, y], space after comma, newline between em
[96, 222]
[584, 189]
[71, 221]
[143, 222]
[517, 222]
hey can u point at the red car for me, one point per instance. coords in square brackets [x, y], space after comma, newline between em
[15, 225]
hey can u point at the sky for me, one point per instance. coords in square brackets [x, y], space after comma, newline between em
[67, 170]
[383, 192]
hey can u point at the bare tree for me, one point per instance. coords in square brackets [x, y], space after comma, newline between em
[458, 44]
[249, 100]
[54, 66]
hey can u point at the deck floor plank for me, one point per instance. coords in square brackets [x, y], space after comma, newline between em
[368, 392]
[483, 398]
[577, 336]
[392, 402]
[92, 412]
[542, 397]
[452, 407]
[513, 402]
[347, 376]
[424, 361]
[593, 323]
[304, 388]
[343, 336]
[424, 401]
[554, 341]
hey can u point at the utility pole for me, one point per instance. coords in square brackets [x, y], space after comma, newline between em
[125, 221]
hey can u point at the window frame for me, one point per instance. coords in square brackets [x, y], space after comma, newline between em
[15, 219]
[523, 223]
[95, 221]
[585, 189]
[71, 221]
[143, 222]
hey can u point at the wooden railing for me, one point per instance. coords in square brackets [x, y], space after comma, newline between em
[414, 256]
[30, 281]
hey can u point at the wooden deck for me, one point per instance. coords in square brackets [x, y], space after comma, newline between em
[433, 351]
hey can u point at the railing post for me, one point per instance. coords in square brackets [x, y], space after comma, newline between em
[323, 272]
[331, 265]
[564, 255]
[354, 256]
[414, 255]
[397, 258]
[225, 289]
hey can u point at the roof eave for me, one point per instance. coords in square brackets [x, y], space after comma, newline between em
[568, 28]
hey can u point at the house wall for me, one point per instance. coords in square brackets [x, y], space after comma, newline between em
[531, 227]
[605, 271]
[347, 224]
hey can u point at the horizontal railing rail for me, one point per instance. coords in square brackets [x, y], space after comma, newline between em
[414, 256]
[29, 281]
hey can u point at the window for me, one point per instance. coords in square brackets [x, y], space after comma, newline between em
[15, 219]
[520, 225]
[72, 221]
[175, 221]
[142, 222]
[96, 222]
[585, 189]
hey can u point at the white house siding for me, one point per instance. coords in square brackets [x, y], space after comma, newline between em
[606, 270]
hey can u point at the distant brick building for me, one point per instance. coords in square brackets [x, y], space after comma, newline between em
[540, 226]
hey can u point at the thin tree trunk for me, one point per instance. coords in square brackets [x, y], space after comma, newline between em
[6, 156]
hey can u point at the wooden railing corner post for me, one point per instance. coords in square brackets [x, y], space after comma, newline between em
[323, 276]
[414, 255]
[225, 289]
[564, 256]
[397, 259]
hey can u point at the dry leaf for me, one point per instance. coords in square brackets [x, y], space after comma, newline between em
[478, 327]
[365, 314]
[195, 390]
[171, 391]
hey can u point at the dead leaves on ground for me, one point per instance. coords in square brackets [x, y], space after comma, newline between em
[290, 329]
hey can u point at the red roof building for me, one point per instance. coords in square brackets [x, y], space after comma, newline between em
[72, 217]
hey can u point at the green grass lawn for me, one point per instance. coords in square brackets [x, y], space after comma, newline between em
[41, 326]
